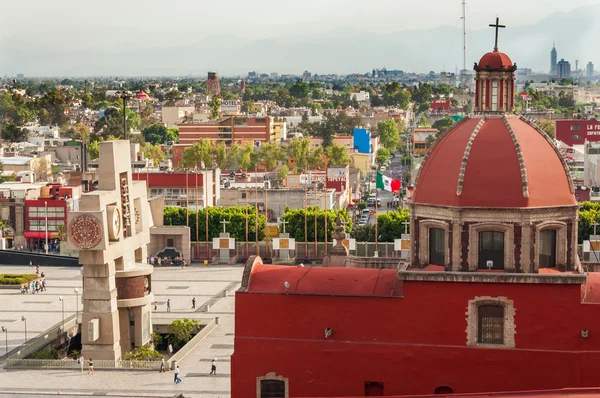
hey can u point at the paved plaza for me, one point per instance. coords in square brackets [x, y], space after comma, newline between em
[43, 311]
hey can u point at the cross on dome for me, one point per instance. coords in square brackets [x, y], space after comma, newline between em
[497, 26]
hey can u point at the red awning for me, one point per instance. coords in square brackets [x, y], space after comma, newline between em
[40, 235]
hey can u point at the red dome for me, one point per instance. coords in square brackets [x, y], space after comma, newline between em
[493, 174]
[495, 60]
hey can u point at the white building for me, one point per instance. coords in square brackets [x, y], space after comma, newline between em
[360, 96]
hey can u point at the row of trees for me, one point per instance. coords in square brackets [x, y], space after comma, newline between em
[300, 223]
[236, 215]
[207, 153]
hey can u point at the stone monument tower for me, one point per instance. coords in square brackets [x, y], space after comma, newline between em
[111, 232]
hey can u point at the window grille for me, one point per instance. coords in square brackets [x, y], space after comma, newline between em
[490, 328]
[272, 389]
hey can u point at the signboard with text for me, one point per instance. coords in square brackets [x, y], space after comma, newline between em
[577, 132]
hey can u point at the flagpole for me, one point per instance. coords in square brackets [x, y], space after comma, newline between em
[376, 222]
[305, 224]
[197, 210]
[316, 223]
[246, 214]
[187, 200]
[205, 192]
[256, 206]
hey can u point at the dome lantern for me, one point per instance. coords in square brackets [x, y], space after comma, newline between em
[494, 81]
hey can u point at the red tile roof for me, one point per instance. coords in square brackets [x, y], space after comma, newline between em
[324, 281]
[492, 168]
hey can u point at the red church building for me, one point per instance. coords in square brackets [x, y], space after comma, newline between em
[493, 299]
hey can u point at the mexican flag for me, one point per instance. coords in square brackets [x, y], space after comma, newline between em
[387, 183]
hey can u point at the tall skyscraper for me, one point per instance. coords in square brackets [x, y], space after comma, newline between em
[553, 59]
[563, 69]
[589, 70]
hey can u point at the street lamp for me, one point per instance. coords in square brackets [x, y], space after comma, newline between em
[63, 311]
[76, 304]
[125, 95]
[46, 208]
[25, 320]
[5, 330]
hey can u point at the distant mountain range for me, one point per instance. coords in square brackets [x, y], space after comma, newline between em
[341, 51]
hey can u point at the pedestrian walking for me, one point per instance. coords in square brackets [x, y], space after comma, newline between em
[162, 365]
[44, 285]
[30, 264]
[90, 366]
[213, 367]
[168, 305]
[177, 378]
[81, 362]
[170, 350]
[37, 269]
[194, 303]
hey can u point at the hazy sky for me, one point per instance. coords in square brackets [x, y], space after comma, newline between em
[147, 37]
[158, 22]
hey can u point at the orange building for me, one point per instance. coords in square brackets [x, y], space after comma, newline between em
[238, 129]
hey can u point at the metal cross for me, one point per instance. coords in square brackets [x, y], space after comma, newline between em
[595, 225]
[283, 222]
[406, 225]
[224, 222]
[497, 26]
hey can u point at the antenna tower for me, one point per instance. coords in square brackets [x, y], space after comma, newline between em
[464, 26]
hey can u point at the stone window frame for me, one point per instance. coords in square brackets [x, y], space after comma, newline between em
[273, 376]
[424, 226]
[561, 242]
[472, 313]
[509, 246]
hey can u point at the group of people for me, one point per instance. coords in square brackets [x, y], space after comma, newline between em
[34, 286]
[90, 362]
[159, 261]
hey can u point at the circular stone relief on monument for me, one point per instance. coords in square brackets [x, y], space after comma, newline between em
[85, 231]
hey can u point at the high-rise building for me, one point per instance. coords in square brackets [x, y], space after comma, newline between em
[563, 69]
[553, 58]
[589, 70]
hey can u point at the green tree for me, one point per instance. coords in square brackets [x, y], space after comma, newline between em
[94, 149]
[172, 96]
[111, 124]
[226, 158]
[282, 174]
[215, 108]
[300, 90]
[443, 124]
[315, 158]
[298, 149]
[182, 331]
[383, 155]
[391, 224]
[247, 159]
[271, 154]
[153, 152]
[79, 131]
[388, 133]
[337, 154]
[365, 233]
[199, 155]
[296, 221]
[13, 133]
[159, 134]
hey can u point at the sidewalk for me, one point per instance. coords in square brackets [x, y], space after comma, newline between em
[180, 285]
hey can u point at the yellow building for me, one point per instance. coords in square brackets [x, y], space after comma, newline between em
[361, 161]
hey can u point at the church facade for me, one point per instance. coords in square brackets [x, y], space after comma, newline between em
[493, 298]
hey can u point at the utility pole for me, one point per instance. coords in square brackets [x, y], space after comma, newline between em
[464, 27]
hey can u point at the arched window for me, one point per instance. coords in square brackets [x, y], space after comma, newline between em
[491, 322]
[272, 386]
[437, 246]
[547, 257]
[491, 250]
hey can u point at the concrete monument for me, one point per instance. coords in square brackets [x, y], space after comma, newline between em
[111, 232]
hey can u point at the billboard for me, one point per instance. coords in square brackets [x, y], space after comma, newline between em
[577, 132]
[231, 106]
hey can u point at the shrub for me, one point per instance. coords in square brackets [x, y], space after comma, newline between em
[143, 353]
[16, 279]
[182, 331]
[45, 354]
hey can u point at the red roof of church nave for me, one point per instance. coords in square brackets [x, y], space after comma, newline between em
[495, 60]
[499, 170]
